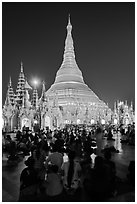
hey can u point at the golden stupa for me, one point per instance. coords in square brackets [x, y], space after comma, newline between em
[70, 90]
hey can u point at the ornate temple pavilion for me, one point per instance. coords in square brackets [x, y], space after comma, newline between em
[68, 101]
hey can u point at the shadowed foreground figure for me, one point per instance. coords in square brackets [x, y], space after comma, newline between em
[97, 182]
[71, 177]
[54, 185]
[28, 182]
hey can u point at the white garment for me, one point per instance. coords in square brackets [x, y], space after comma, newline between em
[93, 156]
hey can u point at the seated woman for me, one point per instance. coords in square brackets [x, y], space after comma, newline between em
[54, 186]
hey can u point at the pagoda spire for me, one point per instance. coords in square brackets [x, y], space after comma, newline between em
[35, 98]
[69, 47]
[20, 91]
[7, 101]
[69, 70]
[42, 98]
[21, 66]
[26, 98]
[10, 83]
[10, 93]
[115, 107]
[131, 106]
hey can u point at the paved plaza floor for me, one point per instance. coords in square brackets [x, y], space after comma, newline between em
[11, 175]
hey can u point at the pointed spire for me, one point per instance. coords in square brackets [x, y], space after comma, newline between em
[10, 83]
[69, 48]
[23, 102]
[69, 66]
[21, 65]
[35, 98]
[43, 87]
[10, 92]
[69, 26]
[7, 101]
[20, 91]
[126, 103]
[115, 107]
[42, 98]
[131, 106]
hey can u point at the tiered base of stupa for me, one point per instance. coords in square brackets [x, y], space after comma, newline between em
[78, 103]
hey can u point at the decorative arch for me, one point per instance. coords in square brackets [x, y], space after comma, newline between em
[14, 121]
[47, 121]
[4, 122]
[26, 122]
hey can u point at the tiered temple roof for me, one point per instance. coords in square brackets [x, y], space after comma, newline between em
[20, 91]
[10, 93]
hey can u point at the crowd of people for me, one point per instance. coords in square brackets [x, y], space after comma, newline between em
[63, 165]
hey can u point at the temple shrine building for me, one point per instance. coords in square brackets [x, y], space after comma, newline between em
[68, 101]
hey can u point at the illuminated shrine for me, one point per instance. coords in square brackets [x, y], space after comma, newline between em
[77, 102]
[68, 101]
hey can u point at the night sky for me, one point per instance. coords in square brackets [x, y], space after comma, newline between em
[104, 42]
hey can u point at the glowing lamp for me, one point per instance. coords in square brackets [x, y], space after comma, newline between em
[78, 121]
[35, 122]
[127, 121]
[92, 121]
[115, 121]
[103, 122]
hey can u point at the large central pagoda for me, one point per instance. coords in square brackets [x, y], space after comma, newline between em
[72, 94]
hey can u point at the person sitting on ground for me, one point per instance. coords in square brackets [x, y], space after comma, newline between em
[28, 181]
[54, 186]
[55, 158]
[22, 146]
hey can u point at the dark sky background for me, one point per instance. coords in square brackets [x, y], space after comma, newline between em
[104, 41]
